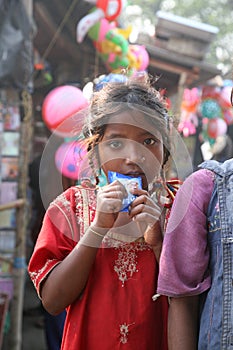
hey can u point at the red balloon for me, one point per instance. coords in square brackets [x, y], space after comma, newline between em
[60, 109]
[212, 128]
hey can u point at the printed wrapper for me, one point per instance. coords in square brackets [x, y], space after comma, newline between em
[129, 182]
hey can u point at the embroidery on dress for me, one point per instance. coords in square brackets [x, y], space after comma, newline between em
[124, 331]
[36, 274]
[62, 201]
[126, 264]
[64, 204]
[85, 217]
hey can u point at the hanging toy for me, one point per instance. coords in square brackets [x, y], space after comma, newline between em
[109, 9]
[110, 41]
[210, 108]
[188, 119]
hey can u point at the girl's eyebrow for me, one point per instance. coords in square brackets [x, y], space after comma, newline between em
[124, 136]
[114, 136]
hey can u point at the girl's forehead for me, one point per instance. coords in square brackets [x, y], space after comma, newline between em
[127, 129]
[133, 119]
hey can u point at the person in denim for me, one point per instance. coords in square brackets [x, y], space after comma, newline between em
[196, 264]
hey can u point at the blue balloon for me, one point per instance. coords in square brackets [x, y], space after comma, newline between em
[110, 78]
[227, 82]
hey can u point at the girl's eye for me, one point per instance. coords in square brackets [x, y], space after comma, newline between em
[149, 142]
[115, 144]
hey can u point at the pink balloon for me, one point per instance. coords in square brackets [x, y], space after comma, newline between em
[225, 96]
[60, 107]
[221, 127]
[228, 116]
[141, 55]
[68, 157]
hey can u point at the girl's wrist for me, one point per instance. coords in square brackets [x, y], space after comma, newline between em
[93, 237]
[97, 231]
[153, 235]
[101, 225]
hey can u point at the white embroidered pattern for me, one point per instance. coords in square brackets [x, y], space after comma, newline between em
[61, 200]
[64, 205]
[35, 276]
[80, 212]
[126, 264]
[124, 331]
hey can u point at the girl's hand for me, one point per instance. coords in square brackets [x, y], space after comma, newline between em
[145, 211]
[109, 203]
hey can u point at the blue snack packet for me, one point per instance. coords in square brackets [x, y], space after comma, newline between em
[129, 182]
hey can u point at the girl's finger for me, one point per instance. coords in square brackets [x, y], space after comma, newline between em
[143, 208]
[114, 186]
[139, 192]
[146, 218]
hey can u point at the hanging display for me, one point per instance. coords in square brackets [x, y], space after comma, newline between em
[207, 106]
[111, 40]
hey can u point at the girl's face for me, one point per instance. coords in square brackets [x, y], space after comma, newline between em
[131, 146]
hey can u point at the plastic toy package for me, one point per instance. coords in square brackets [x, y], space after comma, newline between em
[129, 182]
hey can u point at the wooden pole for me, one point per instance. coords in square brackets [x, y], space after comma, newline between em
[15, 204]
[19, 266]
[181, 86]
[18, 261]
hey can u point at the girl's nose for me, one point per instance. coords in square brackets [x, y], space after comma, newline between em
[135, 155]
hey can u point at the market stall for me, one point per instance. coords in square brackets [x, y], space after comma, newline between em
[15, 128]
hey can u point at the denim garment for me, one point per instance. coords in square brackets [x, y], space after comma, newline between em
[216, 320]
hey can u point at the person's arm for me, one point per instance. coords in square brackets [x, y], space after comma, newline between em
[183, 323]
[65, 283]
[147, 214]
[154, 237]
[67, 280]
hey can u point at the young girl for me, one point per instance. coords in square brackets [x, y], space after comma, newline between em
[94, 260]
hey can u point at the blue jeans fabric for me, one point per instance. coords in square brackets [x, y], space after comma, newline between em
[216, 312]
[54, 329]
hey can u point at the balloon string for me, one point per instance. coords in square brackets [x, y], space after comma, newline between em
[96, 68]
[59, 29]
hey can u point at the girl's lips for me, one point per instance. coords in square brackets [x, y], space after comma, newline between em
[134, 174]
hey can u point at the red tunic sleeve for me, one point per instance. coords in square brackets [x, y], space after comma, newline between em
[59, 234]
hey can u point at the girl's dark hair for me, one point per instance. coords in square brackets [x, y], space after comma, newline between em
[136, 94]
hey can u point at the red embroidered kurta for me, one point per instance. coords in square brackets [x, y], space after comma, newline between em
[116, 310]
